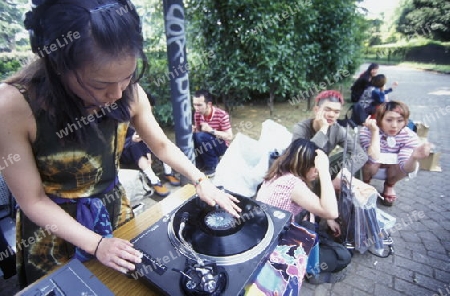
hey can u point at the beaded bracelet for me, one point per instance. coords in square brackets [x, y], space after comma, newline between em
[199, 180]
[96, 249]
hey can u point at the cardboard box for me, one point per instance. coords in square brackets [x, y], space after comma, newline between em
[422, 129]
[431, 163]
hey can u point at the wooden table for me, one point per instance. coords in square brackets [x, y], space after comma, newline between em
[117, 282]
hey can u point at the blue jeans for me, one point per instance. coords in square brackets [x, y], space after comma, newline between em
[134, 152]
[208, 150]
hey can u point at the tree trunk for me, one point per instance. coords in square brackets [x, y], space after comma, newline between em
[271, 99]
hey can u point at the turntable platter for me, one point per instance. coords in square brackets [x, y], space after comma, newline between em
[227, 252]
[217, 235]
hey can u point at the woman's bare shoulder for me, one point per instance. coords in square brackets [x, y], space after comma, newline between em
[11, 99]
[15, 112]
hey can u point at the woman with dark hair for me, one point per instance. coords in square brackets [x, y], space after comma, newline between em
[391, 145]
[66, 115]
[376, 94]
[371, 71]
[363, 82]
[288, 183]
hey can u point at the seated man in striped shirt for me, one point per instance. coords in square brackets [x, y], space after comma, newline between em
[212, 132]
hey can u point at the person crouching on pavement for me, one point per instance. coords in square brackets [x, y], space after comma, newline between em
[392, 145]
[212, 132]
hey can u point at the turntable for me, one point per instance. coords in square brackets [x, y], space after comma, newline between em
[202, 250]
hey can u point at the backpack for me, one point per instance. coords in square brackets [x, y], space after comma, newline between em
[335, 255]
[333, 258]
[358, 88]
[328, 258]
[364, 107]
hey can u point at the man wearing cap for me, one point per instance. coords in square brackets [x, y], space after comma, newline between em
[324, 130]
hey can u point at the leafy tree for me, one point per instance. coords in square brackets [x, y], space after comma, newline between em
[338, 38]
[256, 46]
[155, 80]
[275, 48]
[427, 18]
[11, 22]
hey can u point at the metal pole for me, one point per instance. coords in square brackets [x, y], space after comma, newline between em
[179, 79]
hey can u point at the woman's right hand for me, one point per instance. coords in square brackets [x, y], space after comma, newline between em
[371, 124]
[321, 161]
[118, 254]
[422, 151]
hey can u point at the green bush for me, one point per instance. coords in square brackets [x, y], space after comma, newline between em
[12, 62]
[8, 67]
[414, 50]
[157, 83]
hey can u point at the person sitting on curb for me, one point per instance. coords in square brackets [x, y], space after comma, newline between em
[212, 132]
[135, 151]
[390, 144]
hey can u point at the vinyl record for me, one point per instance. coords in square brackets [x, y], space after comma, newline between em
[213, 232]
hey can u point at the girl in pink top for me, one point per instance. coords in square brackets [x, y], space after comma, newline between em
[288, 182]
[287, 186]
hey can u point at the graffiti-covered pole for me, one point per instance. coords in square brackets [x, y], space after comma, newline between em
[178, 73]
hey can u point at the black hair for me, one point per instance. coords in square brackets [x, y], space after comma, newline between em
[99, 30]
[151, 99]
[205, 94]
[379, 80]
[368, 73]
[372, 66]
[298, 159]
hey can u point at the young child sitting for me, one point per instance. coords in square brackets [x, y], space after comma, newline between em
[379, 93]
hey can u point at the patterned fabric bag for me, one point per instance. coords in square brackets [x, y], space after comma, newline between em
[283, 272]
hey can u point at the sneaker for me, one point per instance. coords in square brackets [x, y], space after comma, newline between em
[174, 181]
[160, 189]
[146, 184]
[209, 172]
